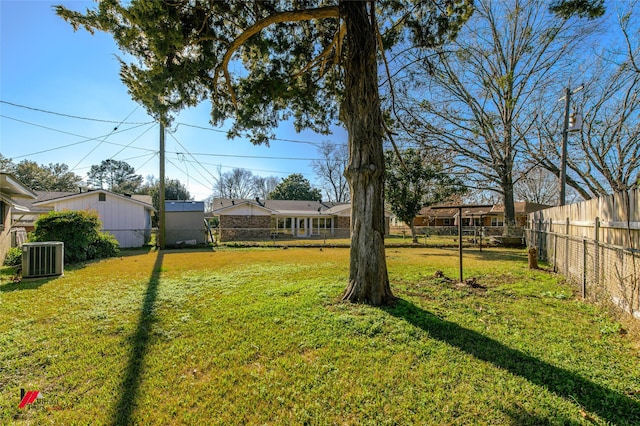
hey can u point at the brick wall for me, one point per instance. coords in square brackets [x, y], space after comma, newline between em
[245, 227]
[343, 226]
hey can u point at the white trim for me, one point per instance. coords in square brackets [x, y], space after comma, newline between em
[10, 182]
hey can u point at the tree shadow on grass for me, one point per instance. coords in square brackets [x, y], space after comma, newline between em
[10, 286]
[610, 405]
[139, 343]
[9, 283]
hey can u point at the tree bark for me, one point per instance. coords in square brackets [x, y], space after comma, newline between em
[362, 117]
[509, 205]
[414, 236]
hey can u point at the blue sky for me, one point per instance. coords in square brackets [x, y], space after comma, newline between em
[45, 66]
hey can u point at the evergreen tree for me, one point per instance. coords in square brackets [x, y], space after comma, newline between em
[295, 187]
[115, 176]
[411, 183]
[314, 62]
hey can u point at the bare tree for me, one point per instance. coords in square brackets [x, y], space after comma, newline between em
[604, 156]
[476, 98]
[242, 183]
[236, 183]
[537, 185]
[330, 171]
[262, 185]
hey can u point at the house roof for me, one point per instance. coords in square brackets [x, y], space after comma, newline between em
[11, 187]
[285, 207]
[144, 198]
[521, 207]
[445, 212]
[136, 199]
[183, 206]
[27, 204]
[220, 205]
[340, 210]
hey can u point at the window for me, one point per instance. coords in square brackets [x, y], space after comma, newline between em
[283, 225]
[447, 221]
[3, 210]
[102, 196]
[497, 221]
[319, 224]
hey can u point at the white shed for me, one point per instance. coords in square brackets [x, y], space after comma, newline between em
[127, 218]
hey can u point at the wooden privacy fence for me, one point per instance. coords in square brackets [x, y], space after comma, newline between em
[595, 245]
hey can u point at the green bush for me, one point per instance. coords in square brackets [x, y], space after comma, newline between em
[14, 257]
[105, 246]
[79, 231]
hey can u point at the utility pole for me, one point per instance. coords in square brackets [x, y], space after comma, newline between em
[565, 136]
[161, 221]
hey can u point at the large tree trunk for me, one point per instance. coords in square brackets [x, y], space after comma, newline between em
[509, 206]
[414, 236]
[361, 115]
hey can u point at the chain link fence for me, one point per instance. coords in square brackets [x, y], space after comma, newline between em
[603, 272]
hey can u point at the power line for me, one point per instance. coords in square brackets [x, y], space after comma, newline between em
[151, 156]
[105, 138]
[194, 158]
[99, 120]
[316, 144]
[69, 115]
[64, 131]
[155, 154]
[241, 167]
[130, 143]
[245, 168]
[264, 157]
[100, 143]
[207, 185]
[86, 139]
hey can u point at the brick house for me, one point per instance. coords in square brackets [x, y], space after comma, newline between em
[475, 216]
[240, 219]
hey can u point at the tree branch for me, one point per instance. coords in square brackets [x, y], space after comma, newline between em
[335, 43]
[289, 16]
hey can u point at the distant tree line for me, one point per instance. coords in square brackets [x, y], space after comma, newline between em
[112, 175]
[46, 177]
[240, 183]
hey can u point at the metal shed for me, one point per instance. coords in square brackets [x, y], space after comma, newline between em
[184, 222]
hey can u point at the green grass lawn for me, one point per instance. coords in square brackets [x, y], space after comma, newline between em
[256, 336]
[393, 240]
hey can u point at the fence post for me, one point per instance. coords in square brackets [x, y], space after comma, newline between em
[596, 251]
[566, 249]
[555, 246]
[539, 234]
[584, 268]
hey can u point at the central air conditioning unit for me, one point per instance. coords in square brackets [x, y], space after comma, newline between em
[42, 259]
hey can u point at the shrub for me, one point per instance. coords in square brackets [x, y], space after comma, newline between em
[79, 231]
[14, 257]
[105, 245]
